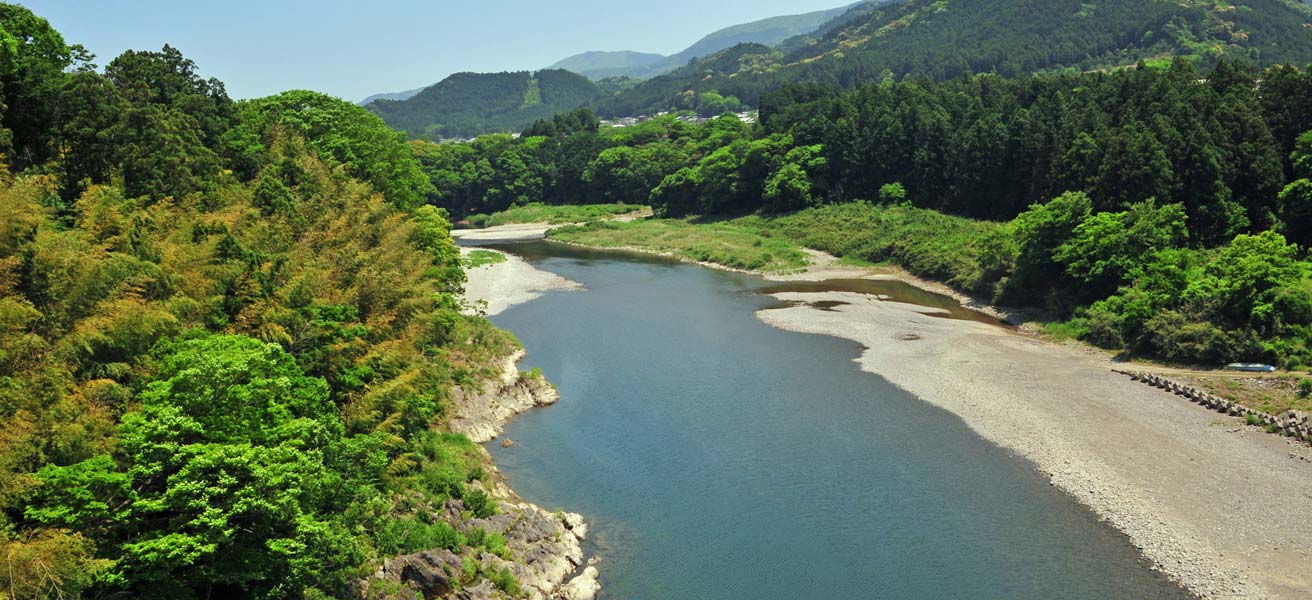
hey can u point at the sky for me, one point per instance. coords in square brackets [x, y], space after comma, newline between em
[354, 49]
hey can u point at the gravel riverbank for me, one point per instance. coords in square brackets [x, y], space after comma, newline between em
[510, 282]
[1218, 507]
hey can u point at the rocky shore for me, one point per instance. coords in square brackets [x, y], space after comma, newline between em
[545, 548]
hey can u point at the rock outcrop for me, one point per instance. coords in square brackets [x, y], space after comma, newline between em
[480, 414]
[545, 552]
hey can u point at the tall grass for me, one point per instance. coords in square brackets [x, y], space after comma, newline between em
[964, 253]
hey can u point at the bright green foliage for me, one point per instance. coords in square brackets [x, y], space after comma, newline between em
[33, 57]
[223, 355]
[223, 478]
[335, 128]
[788, 189]
[892, 193]
[1040, 232]
[483, 258]
[1104, 249]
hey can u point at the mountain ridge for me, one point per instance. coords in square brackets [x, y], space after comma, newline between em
[769, 31]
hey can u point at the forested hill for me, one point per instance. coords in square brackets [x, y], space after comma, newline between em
[942, 40]
[229, 337]
[621, 63]
[468, 104]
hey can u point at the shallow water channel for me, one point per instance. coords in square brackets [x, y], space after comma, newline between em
[717, 457]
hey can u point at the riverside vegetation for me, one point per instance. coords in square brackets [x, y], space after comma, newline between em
[1163, 210]
[229, 332]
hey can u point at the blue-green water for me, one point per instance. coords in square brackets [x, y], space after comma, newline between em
[717, 457]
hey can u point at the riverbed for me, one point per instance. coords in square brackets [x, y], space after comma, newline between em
[719, 457]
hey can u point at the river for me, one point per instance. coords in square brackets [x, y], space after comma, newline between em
[718, 457]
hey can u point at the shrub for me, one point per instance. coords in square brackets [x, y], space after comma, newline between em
[480, 504]
[505, 581]
[405, 535]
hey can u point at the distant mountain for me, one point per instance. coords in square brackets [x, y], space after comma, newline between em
[941, 40]
[468, 104]
[771, 31]
[600, 65]
[406, 95]
[767, 32]
[1012, 37]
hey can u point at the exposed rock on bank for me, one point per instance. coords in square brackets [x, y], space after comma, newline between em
[545, 548]
[545, 551]
[480, 414]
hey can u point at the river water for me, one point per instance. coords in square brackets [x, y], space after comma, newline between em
[717, 457]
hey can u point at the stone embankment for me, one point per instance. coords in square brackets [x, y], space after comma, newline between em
[1290, 423]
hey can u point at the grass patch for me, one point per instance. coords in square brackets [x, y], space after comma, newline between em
[483, 258]
[1272, 394]
[542, 213]
[732, 243]
[966, 254]
[963, 253]
[1064, 330]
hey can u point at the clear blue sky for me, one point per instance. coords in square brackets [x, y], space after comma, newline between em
[353, 49]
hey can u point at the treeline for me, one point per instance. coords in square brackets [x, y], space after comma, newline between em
[228, 333]
[1197, 168]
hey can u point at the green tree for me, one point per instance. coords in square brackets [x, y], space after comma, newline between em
[339, 130]
[1040, 233]
[33, 60]
[1135, 167]
[892, 193]
[220, 480]
[1107, 247]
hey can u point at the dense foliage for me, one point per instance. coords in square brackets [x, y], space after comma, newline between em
[228, 333]
[1124, 199]
[467, 104]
